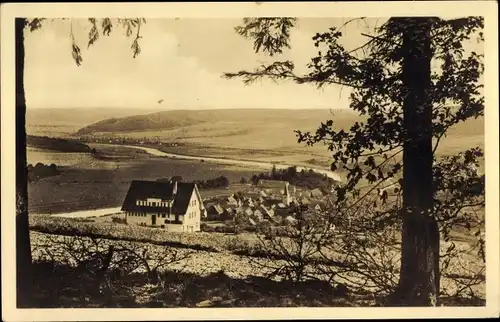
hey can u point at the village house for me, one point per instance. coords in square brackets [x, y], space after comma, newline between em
[268, 213]
[316, 193]
[279, 190]
[214, 212]
[248, 212]
[257, 214]
[173, 206]
[232, 201]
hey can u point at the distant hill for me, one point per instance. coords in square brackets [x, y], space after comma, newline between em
[154, 121]
[62, 122]
[242, 119]
[257, 134]
[256, 130]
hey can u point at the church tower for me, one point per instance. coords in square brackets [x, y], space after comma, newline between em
[287, 199]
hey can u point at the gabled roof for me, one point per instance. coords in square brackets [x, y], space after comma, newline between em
[217, 208]
[305, 201]
[232, 200]
[141, 190]
[316, 193]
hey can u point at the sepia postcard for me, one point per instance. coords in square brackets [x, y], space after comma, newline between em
[258, 160]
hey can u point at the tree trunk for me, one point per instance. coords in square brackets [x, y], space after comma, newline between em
[23, 249]
[419, 276]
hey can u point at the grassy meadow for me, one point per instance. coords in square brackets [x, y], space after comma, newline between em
[88, 182]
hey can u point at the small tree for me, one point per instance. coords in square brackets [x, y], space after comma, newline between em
[294, 249]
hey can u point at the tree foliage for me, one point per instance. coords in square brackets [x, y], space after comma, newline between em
[369, 152]
[102, 26]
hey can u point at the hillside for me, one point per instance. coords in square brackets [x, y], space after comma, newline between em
[255, 133]
[62, 122]
[233, 119]
[155, 121]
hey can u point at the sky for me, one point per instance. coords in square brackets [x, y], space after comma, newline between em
[181, 63]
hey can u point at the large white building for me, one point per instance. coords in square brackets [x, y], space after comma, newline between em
[173, 206]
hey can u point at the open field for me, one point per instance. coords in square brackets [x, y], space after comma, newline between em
[86, 182]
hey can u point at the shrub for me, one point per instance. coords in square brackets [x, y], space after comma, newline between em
[119, 220]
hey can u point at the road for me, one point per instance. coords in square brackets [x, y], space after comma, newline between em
[257, 164]
[89, 213]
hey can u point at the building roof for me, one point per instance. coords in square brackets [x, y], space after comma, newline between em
[232, 200]
[217, 208]
[258, 213]
[316, 193]
[305, 201]
[141, 190]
